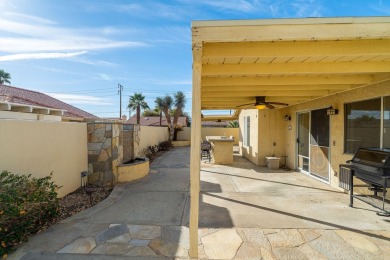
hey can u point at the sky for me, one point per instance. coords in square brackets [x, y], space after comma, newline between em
[78, 51]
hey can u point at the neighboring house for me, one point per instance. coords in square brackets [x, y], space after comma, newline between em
[14, 95]
[155, 121]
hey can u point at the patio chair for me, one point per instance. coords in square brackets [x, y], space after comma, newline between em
[205, 150]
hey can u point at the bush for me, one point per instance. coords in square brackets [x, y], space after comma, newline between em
[27, 205]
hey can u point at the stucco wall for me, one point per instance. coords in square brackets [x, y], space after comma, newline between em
[336, 122]
[149, 136]
[271, 135]
[40, 148]
[252, 151]
[185, 135]
[270, 130]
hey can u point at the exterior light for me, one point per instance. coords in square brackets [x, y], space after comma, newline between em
[287, 118]
[260, 107]
[331, 111]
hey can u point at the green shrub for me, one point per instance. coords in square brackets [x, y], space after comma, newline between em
[27, 205]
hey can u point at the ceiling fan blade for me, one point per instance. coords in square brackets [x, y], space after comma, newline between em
[278, 103]
[269, 106]
[245, 105]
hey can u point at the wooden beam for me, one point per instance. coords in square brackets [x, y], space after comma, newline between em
[221, 117]
[296, 68]
[290, 80]
[267, 93]
[252, 98]
[195, 149]
[290, 30]
[297, 48]
[268, 87]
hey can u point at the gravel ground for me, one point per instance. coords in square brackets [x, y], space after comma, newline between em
[81, 199]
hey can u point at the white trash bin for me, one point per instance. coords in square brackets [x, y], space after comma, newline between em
[273, 162]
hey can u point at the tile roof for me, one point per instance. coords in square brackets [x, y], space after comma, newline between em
[155, 120]
[28, 97]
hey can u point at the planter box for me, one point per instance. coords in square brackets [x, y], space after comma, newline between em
[133, 171]
[181, 143]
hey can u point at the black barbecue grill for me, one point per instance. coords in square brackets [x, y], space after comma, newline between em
[372, 166]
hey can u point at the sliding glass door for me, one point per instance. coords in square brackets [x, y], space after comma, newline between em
[319, 144]
[313, 147]
[303, 141]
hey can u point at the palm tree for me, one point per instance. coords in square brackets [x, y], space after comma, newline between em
[180, 100]
[137, 103]
[164, 104]
[4, 77]
[233, 124]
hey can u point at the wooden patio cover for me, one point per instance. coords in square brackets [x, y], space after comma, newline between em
[285, 60]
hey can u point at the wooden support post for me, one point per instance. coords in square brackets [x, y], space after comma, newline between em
[195, 148]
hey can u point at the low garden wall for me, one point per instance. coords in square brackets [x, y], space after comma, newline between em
[149, 136]
[39, 148]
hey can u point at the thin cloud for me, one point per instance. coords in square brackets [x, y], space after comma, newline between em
[235, 5]
[43, 36]
[80, 99]
[146, 9]
[104, 76]
[29, 18]
[34, 56]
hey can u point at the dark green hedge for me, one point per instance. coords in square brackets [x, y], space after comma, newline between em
[27, 205]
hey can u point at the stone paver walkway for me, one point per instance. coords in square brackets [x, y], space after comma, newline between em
[148, 219]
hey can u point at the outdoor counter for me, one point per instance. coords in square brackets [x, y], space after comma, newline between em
[221, 149]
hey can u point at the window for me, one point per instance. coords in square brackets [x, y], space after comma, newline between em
[247, 126]
[362, 125]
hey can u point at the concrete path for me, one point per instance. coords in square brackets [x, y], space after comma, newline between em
[246, 212]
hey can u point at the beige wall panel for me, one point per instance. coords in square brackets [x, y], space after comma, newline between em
[150, 136]
[271, 134]
[251, 152]
[40, 148]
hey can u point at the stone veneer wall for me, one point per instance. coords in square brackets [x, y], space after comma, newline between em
[128, 142]
[105, 151]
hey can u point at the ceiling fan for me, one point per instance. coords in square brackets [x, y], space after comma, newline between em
[262, 104]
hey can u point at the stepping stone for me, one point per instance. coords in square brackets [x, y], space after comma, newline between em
[248, 251]
[179, 235]
[144, 232]
[288, 253]
[358, 241]
[222, 244]
[141, 251]
[167, 248]
[139, 242]
[333, 247]
[125, 238]
[286, 238]
[254, 236]
[82, 245]
[112, 249]
[111, 233]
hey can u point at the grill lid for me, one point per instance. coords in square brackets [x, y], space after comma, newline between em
[372, 156]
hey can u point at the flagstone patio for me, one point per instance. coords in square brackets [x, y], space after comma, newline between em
[246, 212]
